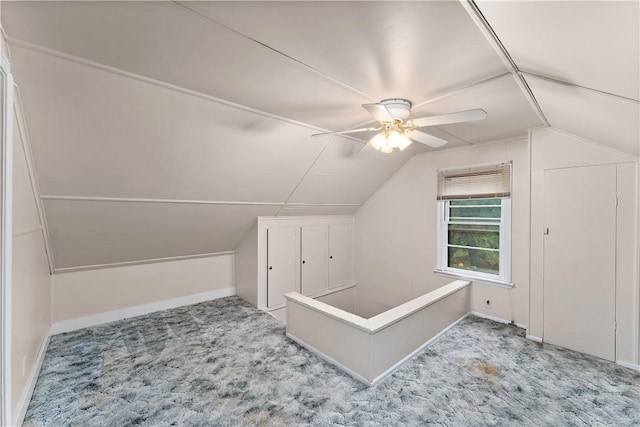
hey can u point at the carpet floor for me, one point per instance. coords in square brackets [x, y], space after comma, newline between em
[225, 363]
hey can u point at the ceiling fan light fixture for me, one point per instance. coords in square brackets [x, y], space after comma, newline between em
[379, 141]
[387, 140]
[394, 116]
[399, 109]
[386, 149]
[397, 139]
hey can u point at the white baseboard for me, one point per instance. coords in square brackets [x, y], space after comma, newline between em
[628, 365]
[25, 399]
[534, 338]
[139, 310]
[497, 319]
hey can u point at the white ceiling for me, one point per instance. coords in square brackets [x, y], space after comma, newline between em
[508, 111]
[384, 49]
[604, 118]
[216, 101]
[125, 138]
[96, 232]
[588, 43]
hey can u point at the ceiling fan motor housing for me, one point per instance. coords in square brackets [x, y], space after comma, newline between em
[400, 109]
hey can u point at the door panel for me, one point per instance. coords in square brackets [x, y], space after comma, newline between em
[340, 255]
[579, 259]
[283, 248]
[314, 259]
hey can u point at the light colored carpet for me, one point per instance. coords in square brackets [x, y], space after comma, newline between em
[226, 363]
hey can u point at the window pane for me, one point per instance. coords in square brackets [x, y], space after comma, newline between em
[479, 209]
[478, 236]
[477, 260]
[464, 212]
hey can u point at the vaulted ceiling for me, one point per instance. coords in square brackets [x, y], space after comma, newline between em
[162, 129]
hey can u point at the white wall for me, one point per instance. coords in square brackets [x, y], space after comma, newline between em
[246, 263]
[395, 234]
[31, 287]
[552, 149]
[95, 296]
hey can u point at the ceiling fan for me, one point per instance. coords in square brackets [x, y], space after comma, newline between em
[397, 129]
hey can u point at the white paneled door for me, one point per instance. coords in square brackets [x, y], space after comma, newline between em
[283, 249]
[314, 259]
[340, 255]
[580, 259]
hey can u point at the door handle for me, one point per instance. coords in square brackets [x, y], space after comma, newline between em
[546, 231]
[270, 268]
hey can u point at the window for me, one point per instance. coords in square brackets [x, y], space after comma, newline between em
[474, 224]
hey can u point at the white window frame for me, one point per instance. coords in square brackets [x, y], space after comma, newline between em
[503, 278]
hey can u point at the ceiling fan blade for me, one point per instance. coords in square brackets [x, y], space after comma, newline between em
[426, 139]
[343, 132]
[444, 119]
[379, 112]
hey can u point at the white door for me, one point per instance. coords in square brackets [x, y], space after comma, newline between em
[283, 249]
[314, 259]
[340, 255]
[580, 259]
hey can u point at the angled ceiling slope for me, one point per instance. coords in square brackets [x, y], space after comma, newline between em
[581, 61]
[154, 123]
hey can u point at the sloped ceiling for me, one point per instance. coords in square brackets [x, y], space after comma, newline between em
[162, 129]
[582, 62]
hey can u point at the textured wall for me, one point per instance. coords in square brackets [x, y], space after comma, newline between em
[31, 287]
[88, 293]
[395, 234]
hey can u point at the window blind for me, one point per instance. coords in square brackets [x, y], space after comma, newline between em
[475, 182]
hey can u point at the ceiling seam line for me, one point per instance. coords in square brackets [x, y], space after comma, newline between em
[155, 201]
[460, 90]
[305, 206]
[453, 135]
[564, 83]
[485, 143]
[266, 46]
[306, 173]
[154, 82]
[185, 202]
[485, 27]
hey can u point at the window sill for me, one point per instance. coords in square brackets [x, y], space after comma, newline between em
[475, 279]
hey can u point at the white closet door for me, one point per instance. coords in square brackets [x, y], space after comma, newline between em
[283, 249]
[314, 259]
[340, 255]
[580, 259]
